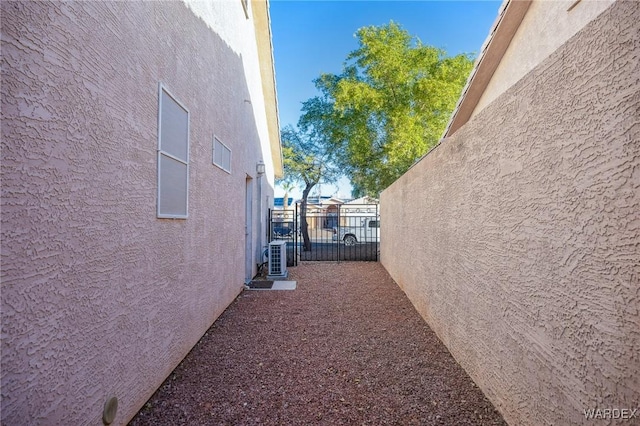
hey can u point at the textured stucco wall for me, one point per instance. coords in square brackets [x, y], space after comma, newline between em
[240, 38]
[99, 297]
[518, 238]
[547, 25]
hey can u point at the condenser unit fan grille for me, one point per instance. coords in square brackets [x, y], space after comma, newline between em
[278, 258]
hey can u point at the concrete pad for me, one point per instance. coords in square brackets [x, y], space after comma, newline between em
[284, 285]
[271, 285]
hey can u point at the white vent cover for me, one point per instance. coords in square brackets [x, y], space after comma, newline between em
[278, 259]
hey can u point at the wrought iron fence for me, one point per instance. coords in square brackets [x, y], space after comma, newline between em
[333, 232]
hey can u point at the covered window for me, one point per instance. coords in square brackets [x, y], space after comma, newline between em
[173, 157]
[221, 155]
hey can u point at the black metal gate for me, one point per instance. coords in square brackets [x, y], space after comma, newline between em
[334, 232]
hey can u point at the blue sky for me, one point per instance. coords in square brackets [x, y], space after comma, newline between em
[315, 37]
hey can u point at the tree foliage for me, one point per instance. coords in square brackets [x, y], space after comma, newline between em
[308, 159]
[389, 106]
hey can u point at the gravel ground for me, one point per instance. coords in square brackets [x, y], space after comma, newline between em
[347, 347]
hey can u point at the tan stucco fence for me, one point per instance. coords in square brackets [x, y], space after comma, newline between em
[518, 238]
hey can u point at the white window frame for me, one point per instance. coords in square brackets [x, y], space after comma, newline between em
[162, 88]
[220, 166]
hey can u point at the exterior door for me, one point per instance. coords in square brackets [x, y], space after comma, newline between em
[248, 231]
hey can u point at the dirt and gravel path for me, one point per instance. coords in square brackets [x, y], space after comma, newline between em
[345, 348]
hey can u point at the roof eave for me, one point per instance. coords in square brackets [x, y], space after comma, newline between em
[505, 26]
[262, 23]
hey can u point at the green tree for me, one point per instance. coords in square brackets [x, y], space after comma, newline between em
[389, 106]
[307, 159]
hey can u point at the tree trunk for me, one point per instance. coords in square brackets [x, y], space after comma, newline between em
[285, 207]
[306, 241]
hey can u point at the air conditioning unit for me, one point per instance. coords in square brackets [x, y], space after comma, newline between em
[278, 259]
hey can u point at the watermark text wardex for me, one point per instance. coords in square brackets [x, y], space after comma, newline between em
[611, 413]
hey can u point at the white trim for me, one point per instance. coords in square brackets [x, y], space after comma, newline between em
[213, 152]
[160, 153]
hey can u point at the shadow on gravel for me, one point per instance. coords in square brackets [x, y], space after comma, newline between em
[345, 348]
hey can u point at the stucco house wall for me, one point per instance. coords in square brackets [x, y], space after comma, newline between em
[100, 297]
[518, 238]
[546, 26]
